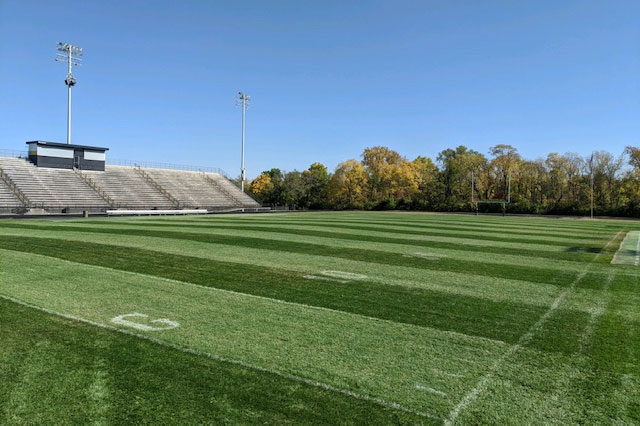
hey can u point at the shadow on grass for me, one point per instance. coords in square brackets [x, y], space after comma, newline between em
[593, 250]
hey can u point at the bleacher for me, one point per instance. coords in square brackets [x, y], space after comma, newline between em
[118, 187]
[192, 189]
[128, 189]
[227, 186]
[51, 189]
[9, 203]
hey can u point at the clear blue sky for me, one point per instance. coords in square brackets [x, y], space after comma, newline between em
[327, 78]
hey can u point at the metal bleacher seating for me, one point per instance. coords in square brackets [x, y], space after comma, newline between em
[129, 189]
[48, 188]
[193, 189]
[8, 201]
[118, 187]
[227, 186]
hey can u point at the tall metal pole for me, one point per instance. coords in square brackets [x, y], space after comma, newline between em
[242, 169]
[69, 101]
[591, 167]
[472, 179]
[72, 56]
[244, 100]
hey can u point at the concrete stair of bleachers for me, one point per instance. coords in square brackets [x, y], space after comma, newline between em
[128, 189]
[226, 185]
[8, 201]
[191, 189]
[51, 189]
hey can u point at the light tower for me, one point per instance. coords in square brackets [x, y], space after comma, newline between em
[243, 101]
[72, 55]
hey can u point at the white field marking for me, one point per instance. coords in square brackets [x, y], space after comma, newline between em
[343, 275]
[595, 314]
[430, 390]
[121, 320]
[606, 245]
[293, 377]
[320, 277]
[623, 249]
[444, 373]
[427, 256]
[337, 276]
[481, 385]
[98, 393]
[254, 296]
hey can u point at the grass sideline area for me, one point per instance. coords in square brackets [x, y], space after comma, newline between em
[319, 318]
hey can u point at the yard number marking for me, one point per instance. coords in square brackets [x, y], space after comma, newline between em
[121, 320]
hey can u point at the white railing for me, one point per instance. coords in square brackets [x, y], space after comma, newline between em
[13, 153]
[160, 165]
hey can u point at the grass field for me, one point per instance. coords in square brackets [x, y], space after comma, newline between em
[322, 318]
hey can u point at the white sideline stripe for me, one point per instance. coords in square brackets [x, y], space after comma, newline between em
[254, 296]
[631, 259]
[430, 390]
[321, 385]
[481, 385]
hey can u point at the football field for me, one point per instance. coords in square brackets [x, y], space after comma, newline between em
[320, 318]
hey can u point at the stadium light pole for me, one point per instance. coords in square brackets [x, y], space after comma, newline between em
[72, 55]
[243, 101]
[591, 170]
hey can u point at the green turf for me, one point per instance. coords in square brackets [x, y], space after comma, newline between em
[451, 318]
[56, 371]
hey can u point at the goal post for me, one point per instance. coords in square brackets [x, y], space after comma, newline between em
[475, 201]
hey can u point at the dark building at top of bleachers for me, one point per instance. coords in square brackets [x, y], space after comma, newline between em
[65, 156]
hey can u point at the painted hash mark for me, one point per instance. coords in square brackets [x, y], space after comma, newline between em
[336, 276]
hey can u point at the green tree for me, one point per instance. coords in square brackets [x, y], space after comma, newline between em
[316, 180]
[456, 166]
[390, 175]
[347, 186]
[294, 190]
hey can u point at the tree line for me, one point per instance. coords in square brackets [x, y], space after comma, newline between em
[383, 179]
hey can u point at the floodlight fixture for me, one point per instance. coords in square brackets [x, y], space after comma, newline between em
[243, 101]
[72, 56]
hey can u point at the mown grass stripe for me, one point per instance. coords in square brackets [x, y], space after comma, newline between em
[536, 232]
[398, 232]
[446, 311]
[448, 282]
[378, 358]
[544, 224]
[193, 374]
[577, 254]
[523, 341]
[533, 274]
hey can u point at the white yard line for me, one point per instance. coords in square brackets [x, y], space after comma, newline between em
[482, 384]
[586, 336]
[321, 385]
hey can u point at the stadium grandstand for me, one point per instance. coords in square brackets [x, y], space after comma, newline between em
[27, 188]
